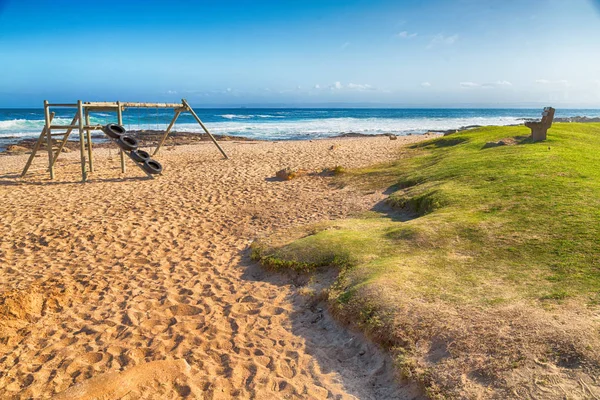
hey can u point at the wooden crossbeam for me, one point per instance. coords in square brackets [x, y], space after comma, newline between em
[95, 104]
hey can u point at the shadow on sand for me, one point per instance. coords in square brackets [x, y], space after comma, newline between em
[16, 180]
[364, 369]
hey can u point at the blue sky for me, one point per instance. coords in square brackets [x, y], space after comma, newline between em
[307, 53]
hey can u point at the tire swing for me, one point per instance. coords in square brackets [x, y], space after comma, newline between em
[114, 131]
[130, 144]
[140, 156]
[152, 167]
[127, 143]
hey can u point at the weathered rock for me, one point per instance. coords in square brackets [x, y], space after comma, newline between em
[16, 149]
[286, 174]
[392, 136]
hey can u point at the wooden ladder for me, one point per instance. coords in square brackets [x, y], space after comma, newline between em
[61, 140]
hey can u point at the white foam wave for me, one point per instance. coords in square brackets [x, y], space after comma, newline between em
[249, 116]
[29, 124]
[285, 129]
[335, 126]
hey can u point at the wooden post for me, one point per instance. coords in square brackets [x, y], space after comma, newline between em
[49, 138]
[120, 122]
[162, 141]
[64, 141]
[191, 110]
[89, 140]
[36, 147]
[81, 140]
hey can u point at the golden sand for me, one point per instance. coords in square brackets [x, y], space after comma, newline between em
[125, 287]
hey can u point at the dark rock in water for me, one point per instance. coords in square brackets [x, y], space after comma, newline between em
[577, 119]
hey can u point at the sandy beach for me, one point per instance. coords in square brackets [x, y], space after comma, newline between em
[124, 287]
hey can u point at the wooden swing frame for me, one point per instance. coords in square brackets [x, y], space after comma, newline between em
[81, 123]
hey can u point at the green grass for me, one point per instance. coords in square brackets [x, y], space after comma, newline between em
[492, 227]
[494, 224]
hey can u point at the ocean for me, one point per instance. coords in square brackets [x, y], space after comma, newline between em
[284, 123]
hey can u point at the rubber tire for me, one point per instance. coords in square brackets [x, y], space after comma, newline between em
[114, 131]
[140, 156]
[128, 143]
[152, 167]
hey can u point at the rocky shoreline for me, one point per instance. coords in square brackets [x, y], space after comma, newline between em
[149, 138]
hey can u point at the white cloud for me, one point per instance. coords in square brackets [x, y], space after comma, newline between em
[345, 45]
[443, 40]
[171, 92]
[406, 35]
[562, 82]
[358, 86]
[350, 86]
[485, 85]
[426, 84]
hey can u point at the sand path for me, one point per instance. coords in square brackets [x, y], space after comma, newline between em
[133, 288]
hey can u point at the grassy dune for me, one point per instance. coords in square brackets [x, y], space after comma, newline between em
[484, 277]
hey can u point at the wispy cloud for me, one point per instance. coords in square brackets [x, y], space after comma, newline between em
[426, 84]
[358, 86]
[171, 92]
[562, 82]
[335, 86]
[406, 35]
[440, 39]
[345, 45]
[485, 85]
